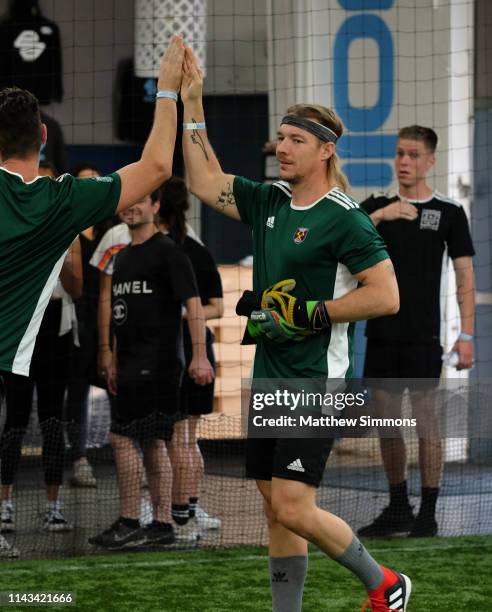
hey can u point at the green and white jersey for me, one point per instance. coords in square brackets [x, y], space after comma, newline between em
[321, 247]
[38, 222]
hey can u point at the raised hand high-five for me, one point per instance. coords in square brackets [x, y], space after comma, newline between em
[192, 83]
[171, 69]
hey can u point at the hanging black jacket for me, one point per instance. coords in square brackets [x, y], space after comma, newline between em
[30, 52]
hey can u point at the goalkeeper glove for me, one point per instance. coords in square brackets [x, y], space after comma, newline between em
[255, 300]
[274, 326]
[251, 301]
[280, 315]
[308, 317]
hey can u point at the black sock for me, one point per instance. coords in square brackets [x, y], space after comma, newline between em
[181, 513]
[428, 503]
[399, 496]
[193, 505]
[129, 522]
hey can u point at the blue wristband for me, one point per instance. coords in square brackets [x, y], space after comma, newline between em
[172, 95]
[194, 126]
[465, 337]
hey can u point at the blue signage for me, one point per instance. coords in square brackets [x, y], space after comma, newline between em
[368, 143]
[367, 5]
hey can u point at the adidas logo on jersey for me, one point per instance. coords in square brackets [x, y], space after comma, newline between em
[270, 222]
[296, 466]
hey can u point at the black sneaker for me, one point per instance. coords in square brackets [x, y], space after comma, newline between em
[161, 534]
[423, 527]
[119, 535]
[391, 522]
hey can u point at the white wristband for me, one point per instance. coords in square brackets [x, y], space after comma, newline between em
[172, 95]
[465, 337]
[194, 126]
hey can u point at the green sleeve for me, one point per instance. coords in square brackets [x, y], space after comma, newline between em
[251, 199]
[358, 244]
[93, 199]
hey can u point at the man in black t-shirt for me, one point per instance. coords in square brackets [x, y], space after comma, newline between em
[152, 280]
[418, 225]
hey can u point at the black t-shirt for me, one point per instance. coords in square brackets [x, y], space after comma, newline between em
[30, 57]
[86, 305]
[209, 283]
[150, 282]
[205, 269]
[416, 249]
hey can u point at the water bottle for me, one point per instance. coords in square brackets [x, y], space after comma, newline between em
[451, 359]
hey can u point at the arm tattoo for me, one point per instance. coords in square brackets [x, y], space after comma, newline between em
[226, 198]
[198, 140]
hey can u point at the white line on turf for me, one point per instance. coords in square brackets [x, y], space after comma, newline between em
[175, 562]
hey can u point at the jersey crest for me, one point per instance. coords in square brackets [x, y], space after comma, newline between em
[300, 234]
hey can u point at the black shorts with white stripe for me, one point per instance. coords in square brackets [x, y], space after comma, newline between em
[301, 459]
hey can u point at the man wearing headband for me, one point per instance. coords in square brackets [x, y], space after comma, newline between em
[306, 229]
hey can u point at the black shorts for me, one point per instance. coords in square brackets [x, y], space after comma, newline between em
[145, 410]
[301, 459]
[398, 365]
[196, 400]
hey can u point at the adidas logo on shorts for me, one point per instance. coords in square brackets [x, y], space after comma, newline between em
[296, 466]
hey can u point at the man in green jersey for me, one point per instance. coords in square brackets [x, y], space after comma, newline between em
[41, 217]
[307, 229]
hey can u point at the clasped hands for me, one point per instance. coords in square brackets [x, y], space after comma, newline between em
[280, 316]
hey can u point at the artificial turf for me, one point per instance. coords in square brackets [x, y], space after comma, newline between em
[448, 574]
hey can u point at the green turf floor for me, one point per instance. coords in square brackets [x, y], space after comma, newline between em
[448, 574]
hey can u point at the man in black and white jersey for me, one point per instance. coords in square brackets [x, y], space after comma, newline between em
[418, 225]
[41, 217]
[151, 281]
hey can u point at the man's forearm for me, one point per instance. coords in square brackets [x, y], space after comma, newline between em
[159, 148]
[199, 156]
[196, 325]
[366, 302]
[466, 299]
[104, 311]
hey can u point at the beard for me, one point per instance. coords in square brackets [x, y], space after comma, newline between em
[137, 223]
[293, 179]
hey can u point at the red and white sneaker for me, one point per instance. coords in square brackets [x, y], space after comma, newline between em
[392, 594]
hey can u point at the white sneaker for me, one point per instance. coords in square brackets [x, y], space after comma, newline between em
[7, 551]
[188, 533]
[7, 524]
[55, 521]
[83, 476]
[205, 521]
